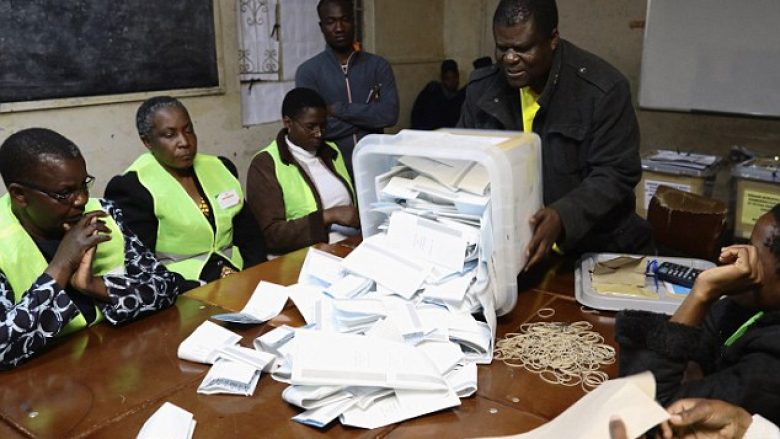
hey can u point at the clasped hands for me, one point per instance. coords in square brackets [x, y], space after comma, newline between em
[72, 263]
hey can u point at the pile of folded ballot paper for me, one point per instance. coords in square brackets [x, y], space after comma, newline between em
[395, 330]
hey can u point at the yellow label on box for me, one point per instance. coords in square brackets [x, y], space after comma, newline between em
[757, 203]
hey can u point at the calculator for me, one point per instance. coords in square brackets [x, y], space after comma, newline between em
[677, 274]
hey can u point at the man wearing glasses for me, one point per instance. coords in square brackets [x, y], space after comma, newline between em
[298, 187]
[66, 260]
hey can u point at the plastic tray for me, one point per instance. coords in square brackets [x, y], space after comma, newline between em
[666, 303]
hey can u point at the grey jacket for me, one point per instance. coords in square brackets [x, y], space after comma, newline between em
[355, 114]
[590, 146]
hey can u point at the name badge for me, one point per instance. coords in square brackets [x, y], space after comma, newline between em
[228, 199]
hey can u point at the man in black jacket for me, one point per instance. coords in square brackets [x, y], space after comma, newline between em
[735, 340]
[581, 108]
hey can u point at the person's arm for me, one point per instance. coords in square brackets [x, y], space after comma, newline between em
[614, 163]
[137, 207]
[28, 326]
[265, 199]
[376, 114]
[146, 285]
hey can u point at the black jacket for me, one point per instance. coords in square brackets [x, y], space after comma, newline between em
[590, 146]
[747, 373]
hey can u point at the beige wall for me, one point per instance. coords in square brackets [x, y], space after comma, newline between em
[415, 36]
[106, 133]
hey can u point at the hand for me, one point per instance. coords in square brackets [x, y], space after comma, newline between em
[617, 430]
[79, 238]
[547, 227]
[705, 418]
[342, 215]
[743, 271]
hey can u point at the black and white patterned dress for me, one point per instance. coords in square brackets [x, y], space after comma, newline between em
[28, 326]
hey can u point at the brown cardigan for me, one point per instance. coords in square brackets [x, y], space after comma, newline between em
[265, 198]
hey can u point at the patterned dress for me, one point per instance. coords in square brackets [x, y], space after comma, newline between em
[28, 326]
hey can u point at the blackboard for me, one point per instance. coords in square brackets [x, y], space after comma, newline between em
[713, 56]
[53, 49]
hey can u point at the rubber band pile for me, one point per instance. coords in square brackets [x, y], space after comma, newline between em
[560, 353]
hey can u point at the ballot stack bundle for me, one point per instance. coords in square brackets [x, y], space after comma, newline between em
[396, 329]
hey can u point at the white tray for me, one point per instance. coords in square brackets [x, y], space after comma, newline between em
[666, 303]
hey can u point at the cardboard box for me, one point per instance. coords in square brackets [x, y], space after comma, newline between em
[688, 172]
[757, 191]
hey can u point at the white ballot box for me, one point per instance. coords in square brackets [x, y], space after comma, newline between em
[510, 171]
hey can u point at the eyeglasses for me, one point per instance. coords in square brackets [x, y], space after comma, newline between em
[314, 130]
[68, 197]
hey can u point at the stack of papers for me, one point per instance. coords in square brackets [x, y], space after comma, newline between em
[391, 329]
[683, 159]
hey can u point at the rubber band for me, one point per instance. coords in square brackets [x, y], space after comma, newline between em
[560, 353]
[545, 313]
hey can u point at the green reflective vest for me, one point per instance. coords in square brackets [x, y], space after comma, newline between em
[185, 239]
[22, 262]
[298, 197]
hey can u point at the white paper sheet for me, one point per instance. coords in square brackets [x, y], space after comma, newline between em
[273, 340]
[169, 421]
[310, 397]
[404, 276]
[203, 345]
[230, 378]
[266, 302]
[320, 267]
[259, 360]
[261, 101]
[425, 239]
[355, 360]
[631, 398]
[305, 298]
[402, 405]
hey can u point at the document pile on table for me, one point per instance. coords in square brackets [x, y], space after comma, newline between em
[391, 333]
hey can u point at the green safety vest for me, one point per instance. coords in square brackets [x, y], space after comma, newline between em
[22, 262]
[298, 197]
[185, 239]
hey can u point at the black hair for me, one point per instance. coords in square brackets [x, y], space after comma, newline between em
[347, 4]
[484, 61]
[773, 242]
[144, 116]
[543, 12]
[449, 65]
[297, 99]
[25, 149]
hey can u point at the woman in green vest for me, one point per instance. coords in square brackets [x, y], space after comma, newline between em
[66, 261]
[185, 206]
[298, 186]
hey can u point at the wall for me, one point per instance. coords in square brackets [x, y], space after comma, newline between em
[107, 137]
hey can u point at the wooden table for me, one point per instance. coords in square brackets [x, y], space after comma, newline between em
[106, 381]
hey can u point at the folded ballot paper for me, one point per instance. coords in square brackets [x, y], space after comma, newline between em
[266, 302]
[204, 344]
[170, 422]
[230, 377]
[632, 399]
